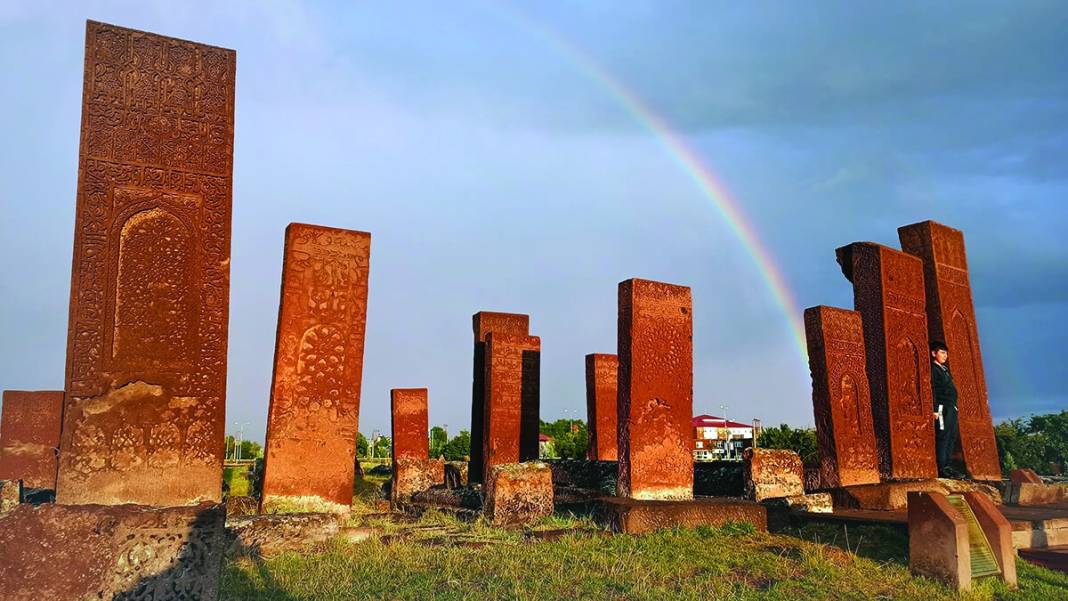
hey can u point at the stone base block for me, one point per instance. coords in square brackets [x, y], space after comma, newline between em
[518, 493]
[10, 495]
[270, 534]
[1029, 493]
[455, 474]
[241, 505]
[938, 540]
[1039, 533]
[819, 502]
[773, 473]
[413, 475]
[75, 552]
[632, 516]
[893, 496]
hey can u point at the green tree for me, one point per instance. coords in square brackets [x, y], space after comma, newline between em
[383, 447]
[363, 449]
[438, 439]
[800, 440]
[249, 449]
[1039, 442]
[570, 437]
[459, 448]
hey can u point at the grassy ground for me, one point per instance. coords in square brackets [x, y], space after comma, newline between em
[236, 479]
[441, 557]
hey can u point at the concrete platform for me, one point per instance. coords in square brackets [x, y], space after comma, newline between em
[630, 516]
[893, 496]
[1053, 558]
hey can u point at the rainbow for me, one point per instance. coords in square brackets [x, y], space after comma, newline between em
[688, 159]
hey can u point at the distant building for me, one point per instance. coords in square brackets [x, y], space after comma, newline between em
[545, 446]
[719, 438]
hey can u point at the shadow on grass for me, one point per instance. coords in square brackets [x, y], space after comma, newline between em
[238, 584]
[877, 542]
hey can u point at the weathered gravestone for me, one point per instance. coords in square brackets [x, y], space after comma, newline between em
[772, 474]
[888, 293]
[72, 553]
[601, 399]
[318, 366]
[518, 493]
[840, 397]
[483, 323]
[29, 437]
[655, 391]
[951, 319]
[513, 367]
[146, 351]
[413, 470]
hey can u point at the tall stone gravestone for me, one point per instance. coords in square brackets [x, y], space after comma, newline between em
[513, 367]
[483, 323]
[150, 282]
[318, 368]
[951, 319]
[601, 376]
[840, 397]
[888, 293]
[655, 391]
[413, 470]
[29, 437]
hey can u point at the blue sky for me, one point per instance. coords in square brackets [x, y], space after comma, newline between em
[495, 173]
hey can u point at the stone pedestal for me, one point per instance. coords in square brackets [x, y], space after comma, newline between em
[939, 543]
[518, 493]
[411, 475]
[602, 372]
[772, 473]
[1026, 488]
[29, 437]
[938, 540]
[267, 535]
[76, 552]
[655, 391]
[633, 516]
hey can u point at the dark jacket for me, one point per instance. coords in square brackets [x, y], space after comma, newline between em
[945, 392]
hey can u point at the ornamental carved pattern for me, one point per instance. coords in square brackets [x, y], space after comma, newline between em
[146, 353]
[951, 319]
[315, 398]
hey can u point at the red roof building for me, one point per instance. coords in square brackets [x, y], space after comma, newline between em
[719, 438]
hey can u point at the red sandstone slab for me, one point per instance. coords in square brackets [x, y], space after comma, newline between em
[318, 367]
[146, 348]
[518, 493]
[841, 399]
[888, 293]
[72, 553]
[998, 532]
[655, 390]
[410, 423]
[602, 372]
[951, 319]
[938, 540]
[512, 372]
[772, 474]
[29, 437]
[483, 323]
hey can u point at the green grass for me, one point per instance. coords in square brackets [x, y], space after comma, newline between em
[237, 480]
[442, 557]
